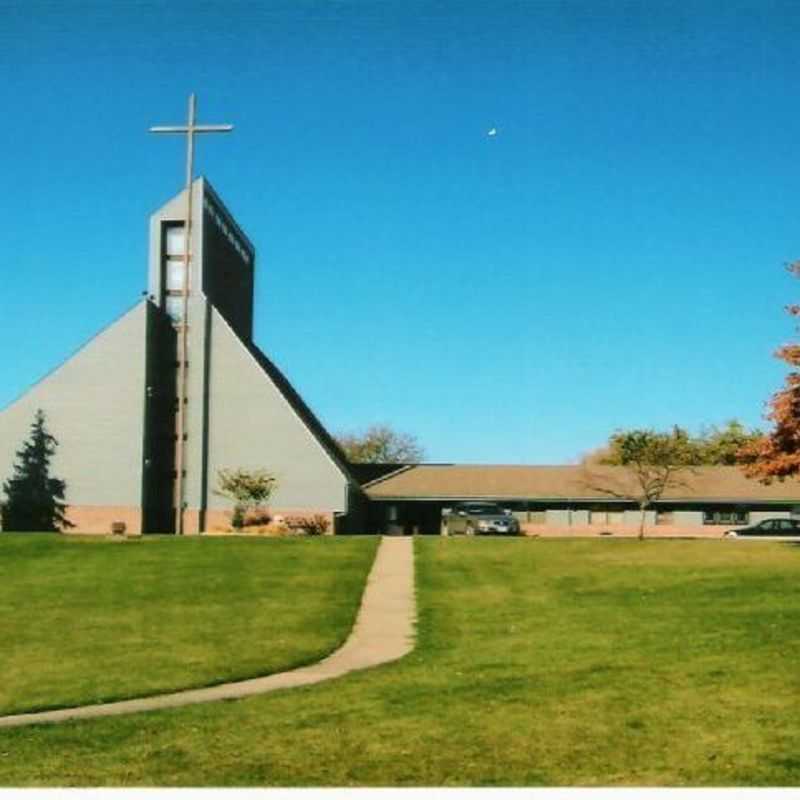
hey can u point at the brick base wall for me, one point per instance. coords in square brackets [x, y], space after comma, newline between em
[626, 531]
[98, 519]
[219, 520]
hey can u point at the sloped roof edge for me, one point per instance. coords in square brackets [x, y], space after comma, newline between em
[397, 471]
[569, 482]
[307, 416]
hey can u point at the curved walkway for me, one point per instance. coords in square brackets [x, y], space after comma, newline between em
[383, 632]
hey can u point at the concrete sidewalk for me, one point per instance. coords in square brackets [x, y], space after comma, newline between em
[383, 632]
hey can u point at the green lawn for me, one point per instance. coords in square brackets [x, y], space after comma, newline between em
[560, 663]
[90, 619]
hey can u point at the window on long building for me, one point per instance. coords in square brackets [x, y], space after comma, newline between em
[726, 516]
[606, 516]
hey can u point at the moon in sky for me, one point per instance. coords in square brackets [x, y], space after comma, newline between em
[492, 132]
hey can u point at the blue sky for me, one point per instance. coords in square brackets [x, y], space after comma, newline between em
[613, 257]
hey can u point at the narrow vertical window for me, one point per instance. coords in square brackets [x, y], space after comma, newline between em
[174, 307]
[175, 246]
[175, 275]
[173, 271]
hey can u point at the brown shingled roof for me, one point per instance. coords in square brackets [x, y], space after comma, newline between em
[454, 481]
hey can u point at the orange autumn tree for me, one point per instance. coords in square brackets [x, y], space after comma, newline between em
[777, 453]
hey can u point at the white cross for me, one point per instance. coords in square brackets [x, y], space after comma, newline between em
[190, 129]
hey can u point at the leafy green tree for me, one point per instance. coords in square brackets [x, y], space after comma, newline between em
[722, 446]
[714, 445]
[34, 499]
[380, 444]
[654, 462]
[247, 488]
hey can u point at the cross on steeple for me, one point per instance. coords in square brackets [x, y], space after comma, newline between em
[190, 129]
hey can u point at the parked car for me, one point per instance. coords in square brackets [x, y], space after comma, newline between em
[768, 527]
[480, 518]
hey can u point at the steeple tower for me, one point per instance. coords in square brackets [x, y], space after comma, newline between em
[178, 254]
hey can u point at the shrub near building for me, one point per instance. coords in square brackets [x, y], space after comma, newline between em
[34, 499]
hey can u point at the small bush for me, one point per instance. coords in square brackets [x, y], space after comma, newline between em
[247, 488]
[258, 516]
[314, 525]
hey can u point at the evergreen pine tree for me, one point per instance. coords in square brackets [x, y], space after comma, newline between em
[33, 498]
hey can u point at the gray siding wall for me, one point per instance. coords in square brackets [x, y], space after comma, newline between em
[634, 517]
[563, 517]
[252, 426]
[580, 517]
[687, 518]
[93, 403]
[560, 517]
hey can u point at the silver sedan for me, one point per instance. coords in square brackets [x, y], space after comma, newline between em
[480, 518]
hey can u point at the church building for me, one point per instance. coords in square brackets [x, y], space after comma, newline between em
[115, 406]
